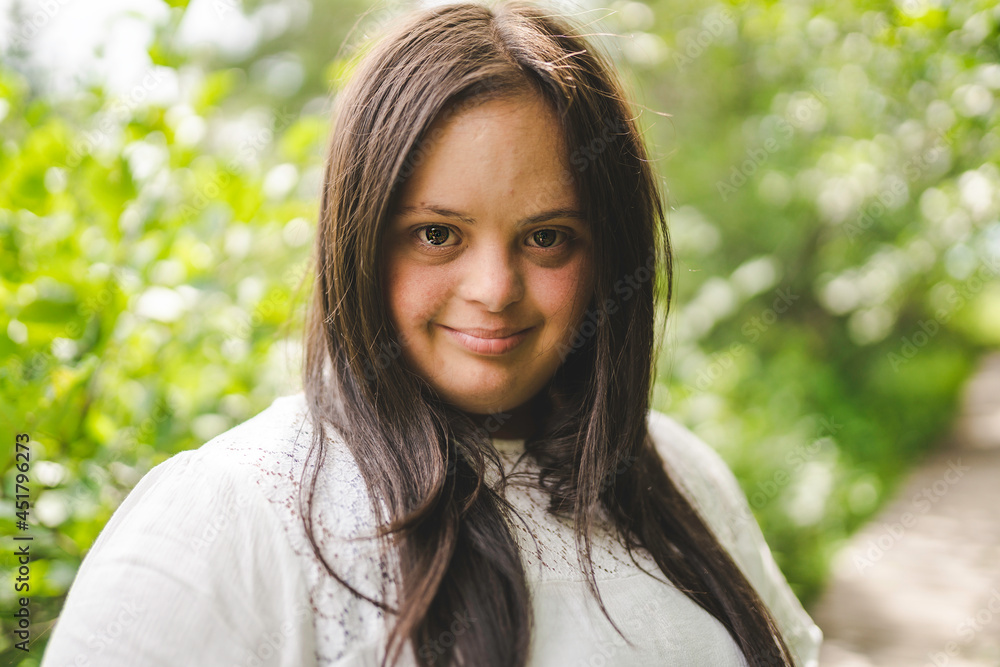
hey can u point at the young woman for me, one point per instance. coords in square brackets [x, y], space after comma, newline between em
[473, 474]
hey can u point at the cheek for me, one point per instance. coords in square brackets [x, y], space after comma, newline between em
[564, 294]
[414, 293]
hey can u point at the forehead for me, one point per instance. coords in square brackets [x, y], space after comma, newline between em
[506, 150]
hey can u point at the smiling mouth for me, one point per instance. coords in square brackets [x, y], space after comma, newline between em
[486, 341]
[478, 332]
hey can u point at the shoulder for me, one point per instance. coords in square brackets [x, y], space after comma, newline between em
[692, 463]
[271, 453]
[195, 534]
[217, 531]
[279, 434]
[221, 481]
[702, 474]
[221, 489]
[194, 492]
[714, 491]
[268, 456]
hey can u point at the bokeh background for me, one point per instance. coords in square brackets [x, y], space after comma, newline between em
[830, 168]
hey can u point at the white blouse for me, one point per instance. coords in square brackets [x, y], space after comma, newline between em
[206, 562]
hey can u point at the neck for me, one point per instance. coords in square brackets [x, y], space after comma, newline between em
[513, 424]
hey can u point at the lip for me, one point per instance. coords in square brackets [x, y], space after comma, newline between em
[488, 341]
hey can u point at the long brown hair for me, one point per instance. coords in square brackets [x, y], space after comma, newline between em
[426, 460]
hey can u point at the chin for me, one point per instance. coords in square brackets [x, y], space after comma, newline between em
[487, 407]
[486, 403]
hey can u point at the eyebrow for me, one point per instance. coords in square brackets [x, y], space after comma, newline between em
[544, 216]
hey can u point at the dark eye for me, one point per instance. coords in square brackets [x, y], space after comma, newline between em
[435, 235]
[546, 238]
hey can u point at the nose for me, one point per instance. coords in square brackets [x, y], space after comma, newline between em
[492, 278]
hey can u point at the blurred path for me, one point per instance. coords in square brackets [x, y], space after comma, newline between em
[920, 585]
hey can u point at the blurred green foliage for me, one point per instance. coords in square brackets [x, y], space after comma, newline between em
[832, 177]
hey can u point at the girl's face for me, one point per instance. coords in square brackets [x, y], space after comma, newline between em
[488, 257]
